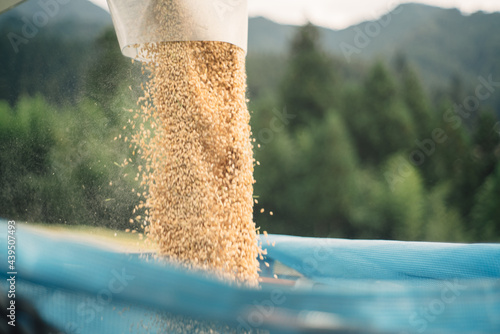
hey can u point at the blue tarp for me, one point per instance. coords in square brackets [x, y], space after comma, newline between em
[354, 286]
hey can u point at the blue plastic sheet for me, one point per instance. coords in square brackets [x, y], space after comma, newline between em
[354, 286]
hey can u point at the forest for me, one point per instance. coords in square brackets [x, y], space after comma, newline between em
[349, 149]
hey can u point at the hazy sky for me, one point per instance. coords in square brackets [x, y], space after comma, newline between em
[340, 14]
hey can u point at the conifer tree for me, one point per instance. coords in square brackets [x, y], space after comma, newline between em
[308, 88]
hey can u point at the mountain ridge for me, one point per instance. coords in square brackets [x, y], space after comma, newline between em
[440, 43]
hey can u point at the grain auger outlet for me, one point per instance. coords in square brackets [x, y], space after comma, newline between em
[138, 22]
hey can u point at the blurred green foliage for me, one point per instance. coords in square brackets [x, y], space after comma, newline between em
[59, 166]
[371, 155]
[59, 162]
[346, 150]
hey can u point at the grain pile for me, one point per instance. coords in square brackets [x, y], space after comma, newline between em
[194, 138]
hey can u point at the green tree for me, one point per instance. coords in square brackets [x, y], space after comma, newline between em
[407, 201]
[475, 160]
[423, 120]
[416, 100]
[416, 213]
[442, 221]
[308, 86]
[486, 143]
[370, 213]
[324, 188]
[486, 211]
[307, 180]
[275, 178]
[379, 122]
